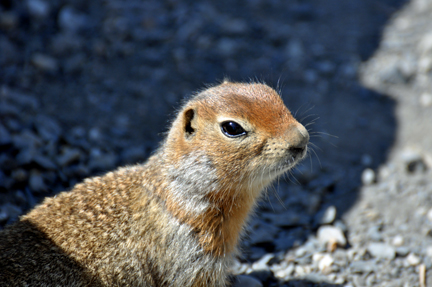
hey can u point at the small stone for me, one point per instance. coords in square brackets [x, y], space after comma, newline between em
[413, 160]
[398, 241]
[5, 136]
[429, 215]
[262, 275]
[36, 182]
[246, 281]
[227, 47]
[101, 161]
[38, 8]
[237, 267]
[328, 234]
[328, 216]
[11, 210]
[429, 251]
[264, 233]
[26, 156]
[426, 100]
[413, 259]
[262, 263]
[47, 128]
[368, 176]
[325, 263]
[363, 266]
[44, 62]
[71, 20]
[285, 272]
[381, 250]
[68, 156]
[44, 162]
[235, 26]
[19, 175]
[366, 160]
[402, 251]
[8, 20]
[374, 233]
[3, 217]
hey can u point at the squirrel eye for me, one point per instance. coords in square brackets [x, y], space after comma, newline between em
[232, 129]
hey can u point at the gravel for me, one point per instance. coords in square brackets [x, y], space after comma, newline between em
[87, 86]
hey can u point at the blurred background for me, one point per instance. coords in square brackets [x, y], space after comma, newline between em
[86, 86]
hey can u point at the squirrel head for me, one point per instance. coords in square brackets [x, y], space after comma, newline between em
[244, 131]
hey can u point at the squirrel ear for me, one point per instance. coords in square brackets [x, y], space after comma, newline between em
[189, 124]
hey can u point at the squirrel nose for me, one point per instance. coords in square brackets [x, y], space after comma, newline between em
[298, 138]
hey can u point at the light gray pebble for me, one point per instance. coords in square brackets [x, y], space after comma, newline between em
[381, 250]
[262, 264]
[413, 259]
[363, 266]
[374, 233]
[316, 278]
[246, 281]
[327, 216]
[368, 176]
[328, 233]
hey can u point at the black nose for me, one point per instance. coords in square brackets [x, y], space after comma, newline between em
[298, 139]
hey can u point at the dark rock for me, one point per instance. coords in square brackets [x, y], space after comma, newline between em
[44, 162]
[5, 136]
[246, 281]
[287, 219]
[38, 8]
[102, 161]
[264, 233]
[20, 175]
[36, 182]
[11, 210]
[47, 128]
[45, 62]
[68, 156]
[71, 20]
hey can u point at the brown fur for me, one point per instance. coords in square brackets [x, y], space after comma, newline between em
[174, 221]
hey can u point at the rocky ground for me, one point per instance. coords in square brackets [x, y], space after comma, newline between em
[86, 86]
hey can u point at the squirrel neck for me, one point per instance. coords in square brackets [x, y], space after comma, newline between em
[216, 210]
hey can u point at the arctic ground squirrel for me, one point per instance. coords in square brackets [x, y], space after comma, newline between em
[172, 221]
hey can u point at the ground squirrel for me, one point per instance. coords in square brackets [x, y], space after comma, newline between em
[173, 221]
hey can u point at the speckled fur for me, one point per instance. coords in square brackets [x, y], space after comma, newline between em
[174, 221]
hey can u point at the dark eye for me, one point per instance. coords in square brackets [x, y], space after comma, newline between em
[232, 129]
